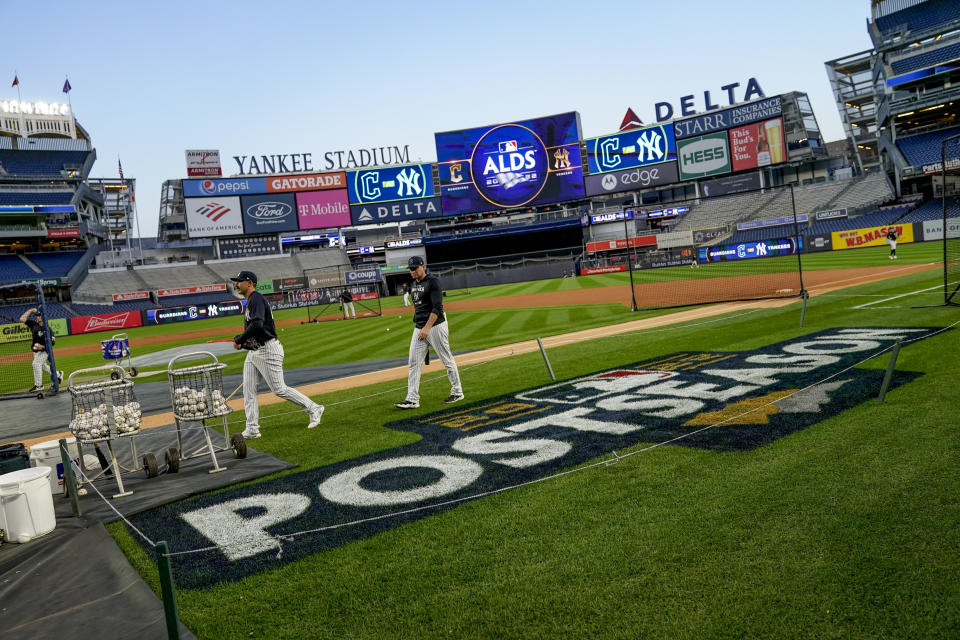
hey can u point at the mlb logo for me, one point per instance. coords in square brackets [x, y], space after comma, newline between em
[508, 146]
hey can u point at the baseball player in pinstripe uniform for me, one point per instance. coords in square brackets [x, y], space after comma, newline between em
[41, 361]
[430, 330]
[265, 357]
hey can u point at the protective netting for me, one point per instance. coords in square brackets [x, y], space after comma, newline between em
[947, 188]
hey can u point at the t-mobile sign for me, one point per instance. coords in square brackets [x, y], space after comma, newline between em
[323, 209]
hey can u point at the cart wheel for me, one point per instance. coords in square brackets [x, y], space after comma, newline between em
[239, 445]
[133, 372]
[115, 375]
[150, 465]
[172, 457]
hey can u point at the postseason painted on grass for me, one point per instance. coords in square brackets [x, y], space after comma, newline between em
[753, 398]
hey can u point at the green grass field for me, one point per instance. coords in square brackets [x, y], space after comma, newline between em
[847, 529]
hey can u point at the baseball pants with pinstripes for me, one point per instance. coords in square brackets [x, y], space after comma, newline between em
[41, 363]
[267, 361]
[439, 339]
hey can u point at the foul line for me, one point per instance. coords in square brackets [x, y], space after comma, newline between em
[902, 295]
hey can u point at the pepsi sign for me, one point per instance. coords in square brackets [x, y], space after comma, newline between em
[269, 213]
[223, 187]
[510, 165]
[635, 148]
[390, 183]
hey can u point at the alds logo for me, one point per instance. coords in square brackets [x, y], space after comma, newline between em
[717, 400]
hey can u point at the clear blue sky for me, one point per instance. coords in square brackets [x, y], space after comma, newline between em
[153, 79]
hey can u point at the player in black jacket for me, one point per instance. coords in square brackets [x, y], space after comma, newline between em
[264, 357]
[430, 330]
[892, 241]
[41, 361]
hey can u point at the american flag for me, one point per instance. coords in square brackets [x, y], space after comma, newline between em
[16, 80]
[120, 168]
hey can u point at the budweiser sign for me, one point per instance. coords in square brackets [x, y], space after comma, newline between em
[133, 295]
[105, 322]
[182, 291]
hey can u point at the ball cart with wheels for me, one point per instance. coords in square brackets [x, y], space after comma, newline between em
[117, 348]
[196, 394]
[104, 408]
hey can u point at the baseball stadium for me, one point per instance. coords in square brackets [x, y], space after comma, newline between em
[706, 371]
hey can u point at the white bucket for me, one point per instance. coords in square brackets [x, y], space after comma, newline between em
[26, 504]
[47, 454]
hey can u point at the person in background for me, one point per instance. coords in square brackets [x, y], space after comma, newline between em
[41, 361]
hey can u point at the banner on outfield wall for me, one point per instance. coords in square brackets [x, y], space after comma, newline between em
[703, 156]
[16, 332]
[748, 250]
[705, 235]
[621, 243]
[194, 312]
[819, 242]
[248, 246]
[592, 271]
[759, 144]
[871, 237]
[374, 213]
[285, 284]
[105, 322]
[730, 185]
[131, 295]
[631, 179]
[183, 291]
[59, 327]
[674, 239]
[933, 229]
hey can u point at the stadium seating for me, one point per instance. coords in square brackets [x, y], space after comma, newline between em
[926, 59]
[933, 210]
[54, 310]
[40, 163]
[924, 148]
[265, 268]
[321, 259]
[919, 17]
[182, 275]
[870, 190]
[116, 307]
[764, 233]
[13, 269]
[101, 284]
[55, 264]
[35, 198]
[876, 219]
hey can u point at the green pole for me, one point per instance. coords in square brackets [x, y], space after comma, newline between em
[68, 478]
[166, 588]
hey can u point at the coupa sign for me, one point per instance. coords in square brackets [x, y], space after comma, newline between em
[524, 436]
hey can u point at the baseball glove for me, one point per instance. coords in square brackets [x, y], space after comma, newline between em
[251, 344]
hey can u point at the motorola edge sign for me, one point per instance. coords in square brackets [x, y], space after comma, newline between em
[631, 179]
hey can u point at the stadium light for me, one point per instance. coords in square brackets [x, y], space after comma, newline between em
[633, 295]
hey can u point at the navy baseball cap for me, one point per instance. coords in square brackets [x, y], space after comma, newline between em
[245, 275]
[414, 262]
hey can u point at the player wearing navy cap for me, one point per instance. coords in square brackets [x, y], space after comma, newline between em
[430, 330]
[265, 357]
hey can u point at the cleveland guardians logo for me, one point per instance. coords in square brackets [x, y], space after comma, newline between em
[717, 400]
[510, 165]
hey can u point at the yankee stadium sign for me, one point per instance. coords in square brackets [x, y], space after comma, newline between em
[332, 160]
[718, 400]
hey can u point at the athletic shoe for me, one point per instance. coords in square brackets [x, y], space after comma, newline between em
[249, 434]
[454, 397]
[38, 387]
[407, 404]
[315, 416]
[59, 377]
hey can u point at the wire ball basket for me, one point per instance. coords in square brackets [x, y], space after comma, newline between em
[196, 392]
[104, 409]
